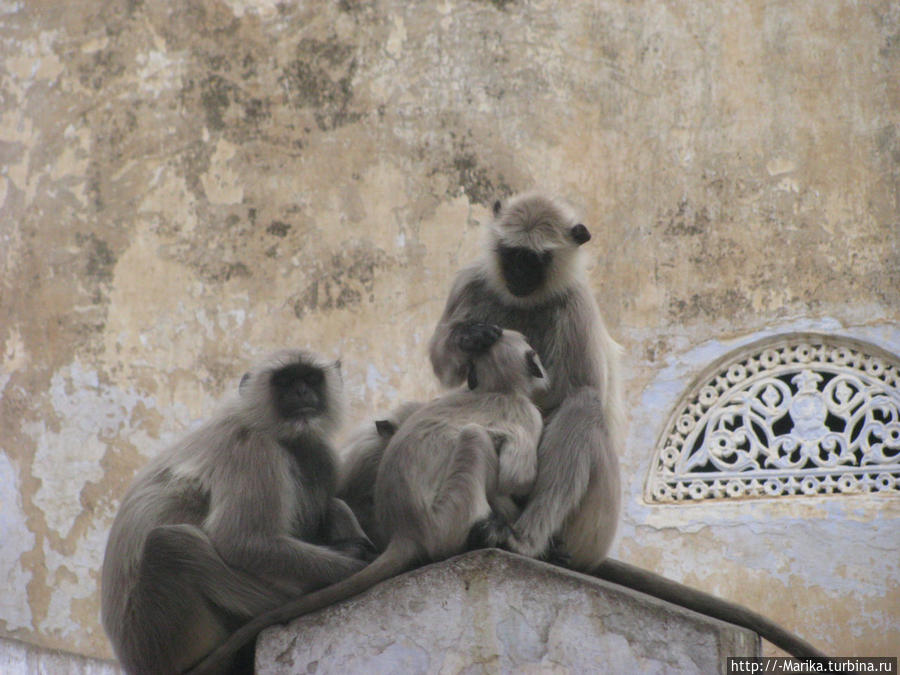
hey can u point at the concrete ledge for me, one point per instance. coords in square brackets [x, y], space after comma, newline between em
[499, 612]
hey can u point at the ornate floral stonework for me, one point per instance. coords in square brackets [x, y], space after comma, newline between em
[802, 414]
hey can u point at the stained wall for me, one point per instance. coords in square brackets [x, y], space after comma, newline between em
[187, 185]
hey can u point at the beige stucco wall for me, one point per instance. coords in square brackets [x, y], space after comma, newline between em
[186, 185]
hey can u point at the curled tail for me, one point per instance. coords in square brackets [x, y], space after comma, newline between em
[395, 559]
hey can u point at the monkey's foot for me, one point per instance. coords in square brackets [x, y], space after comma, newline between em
[490, 532]
[524, 546]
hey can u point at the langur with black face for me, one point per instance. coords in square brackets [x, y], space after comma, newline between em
[531, 279]
[233, 520]
[454, 464]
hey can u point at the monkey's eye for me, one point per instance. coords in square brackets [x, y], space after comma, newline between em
[314, 378]
[531, 363]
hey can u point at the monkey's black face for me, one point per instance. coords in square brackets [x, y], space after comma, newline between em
[524, 271]
[299, 390]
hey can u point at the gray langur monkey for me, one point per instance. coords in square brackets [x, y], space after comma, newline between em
[236, 518]
[453, 464]
[360, 457]
[531, 279]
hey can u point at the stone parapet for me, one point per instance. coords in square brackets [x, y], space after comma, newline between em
[491, 611]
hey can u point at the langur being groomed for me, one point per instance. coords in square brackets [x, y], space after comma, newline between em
[233, 520]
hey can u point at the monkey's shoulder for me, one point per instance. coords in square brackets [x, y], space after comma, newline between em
[163, 493]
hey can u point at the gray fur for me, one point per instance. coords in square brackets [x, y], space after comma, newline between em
[441, 473]
[576, 498]
[233, 520]
[360, 457]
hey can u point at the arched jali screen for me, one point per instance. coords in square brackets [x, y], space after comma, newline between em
[800, 414]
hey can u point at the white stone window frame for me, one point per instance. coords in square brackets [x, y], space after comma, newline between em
[798, 414]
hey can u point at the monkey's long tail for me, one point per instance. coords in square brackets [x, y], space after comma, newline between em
[658, 586]
[396, 558]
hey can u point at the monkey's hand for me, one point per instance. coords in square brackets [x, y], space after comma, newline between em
[475, 337]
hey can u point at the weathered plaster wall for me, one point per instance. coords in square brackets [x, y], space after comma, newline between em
[186, 185]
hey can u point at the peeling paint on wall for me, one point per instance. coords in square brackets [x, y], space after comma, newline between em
[184, 187]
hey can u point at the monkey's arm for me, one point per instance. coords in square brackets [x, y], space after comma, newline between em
[459, 334]
[249, 527]
[565, 463]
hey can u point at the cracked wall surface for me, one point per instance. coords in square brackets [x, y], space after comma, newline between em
[187, 185]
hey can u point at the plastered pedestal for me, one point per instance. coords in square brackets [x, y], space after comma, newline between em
[495, 612]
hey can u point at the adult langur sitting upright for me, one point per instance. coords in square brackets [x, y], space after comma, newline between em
[233, 520]
[531, 279]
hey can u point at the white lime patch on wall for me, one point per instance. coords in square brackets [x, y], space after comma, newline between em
[66, 460]
[16, 540]
[73, 577]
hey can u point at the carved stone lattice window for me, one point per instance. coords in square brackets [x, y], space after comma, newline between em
[796, 415]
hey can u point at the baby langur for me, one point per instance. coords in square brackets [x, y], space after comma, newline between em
[231, 521]
[453, 464]
[361, 456]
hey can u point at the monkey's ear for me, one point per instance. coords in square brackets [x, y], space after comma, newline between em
[498, 206]
[580, 234]
[244, 380]
[472, 378]
[385, 428]
[533, 368]
[337, 364]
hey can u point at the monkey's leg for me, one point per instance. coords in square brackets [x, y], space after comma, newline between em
[461, 500]
[292, 564]
[186, 601]
[573, 437]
